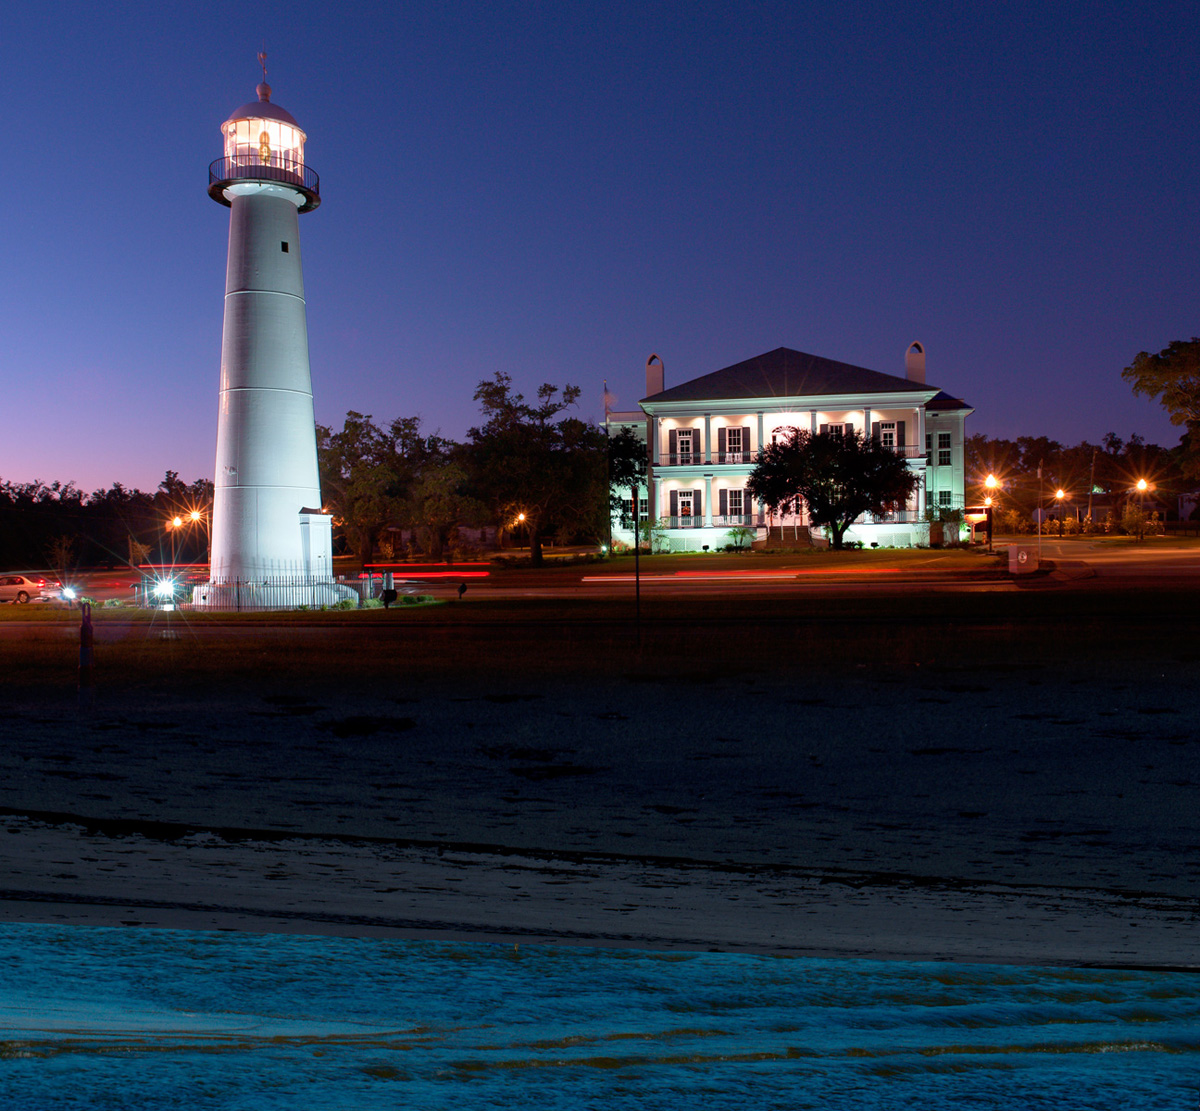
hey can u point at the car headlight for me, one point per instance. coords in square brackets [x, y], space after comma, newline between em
[68, 593]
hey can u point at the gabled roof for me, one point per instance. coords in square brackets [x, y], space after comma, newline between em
[787, 373]
[942, 401]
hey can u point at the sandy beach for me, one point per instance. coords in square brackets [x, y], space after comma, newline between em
[958, 812]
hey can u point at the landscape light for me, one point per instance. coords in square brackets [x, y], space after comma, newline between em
[164, 588]
[991, 482]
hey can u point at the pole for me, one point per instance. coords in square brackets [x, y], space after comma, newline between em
[1041, 494]
[85, 653]
[1091, 488]
[637, 568]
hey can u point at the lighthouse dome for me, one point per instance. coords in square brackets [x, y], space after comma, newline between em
[263, 134]
[263, 143]
[263, 109]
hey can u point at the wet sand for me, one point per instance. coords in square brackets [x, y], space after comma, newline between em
[950, 812]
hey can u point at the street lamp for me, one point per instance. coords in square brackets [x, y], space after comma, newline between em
[174, 524]
[1142, 487]
[991, 484]
[1059, 494]
[198, 518]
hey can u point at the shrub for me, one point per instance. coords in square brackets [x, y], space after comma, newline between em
[372, 604]
[345, 604]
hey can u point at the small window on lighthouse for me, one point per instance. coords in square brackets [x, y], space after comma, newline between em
[283, 247]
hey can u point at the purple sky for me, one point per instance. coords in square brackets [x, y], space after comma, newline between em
[556, 190]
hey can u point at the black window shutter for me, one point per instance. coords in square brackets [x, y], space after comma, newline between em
[721, 443]
[874, 430]
[674, 502]
[697, 504]
[723, 502]
[672, 444]
[824, 428]
[900, 433]
[745, 437]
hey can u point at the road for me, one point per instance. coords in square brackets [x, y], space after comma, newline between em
[1084, 563]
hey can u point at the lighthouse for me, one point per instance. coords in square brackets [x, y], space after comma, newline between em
[271, 542]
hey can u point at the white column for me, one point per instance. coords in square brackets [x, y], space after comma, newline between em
[707, 438]
[266, 464]
[708, 513]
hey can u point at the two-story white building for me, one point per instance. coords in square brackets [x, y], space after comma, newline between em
[703, 438]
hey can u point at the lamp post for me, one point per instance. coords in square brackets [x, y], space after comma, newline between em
[198, 518]
[990, 484]
[1059, 494]
[174, 525]
[1142, 487]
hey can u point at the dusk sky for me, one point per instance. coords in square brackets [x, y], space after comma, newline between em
[557, 190]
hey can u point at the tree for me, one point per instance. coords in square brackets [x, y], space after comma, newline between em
[626, 472]
[368, 474]
[1172, 376]
[838, 477]
[530, 458]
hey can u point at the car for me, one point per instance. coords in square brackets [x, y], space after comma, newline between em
[25, 588]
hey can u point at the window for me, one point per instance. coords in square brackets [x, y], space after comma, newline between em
[735, 503]
[284, 247]
[733, 445]
[943, 449]
[627, 508]
[887, 434]
[944, 499]
[685, 445]
[685, 503]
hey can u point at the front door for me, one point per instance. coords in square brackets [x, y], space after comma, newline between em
[685, 508]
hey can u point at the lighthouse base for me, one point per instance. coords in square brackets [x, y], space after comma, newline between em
[280, 593]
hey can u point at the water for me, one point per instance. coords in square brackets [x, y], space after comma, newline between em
[133, 1019]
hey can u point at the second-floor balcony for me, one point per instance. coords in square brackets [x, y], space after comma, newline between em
[696, 458]
[748, 458]
[279, 168]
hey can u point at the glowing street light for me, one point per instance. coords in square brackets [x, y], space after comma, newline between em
[1059, 494]
[991, 483]
[1142, 486]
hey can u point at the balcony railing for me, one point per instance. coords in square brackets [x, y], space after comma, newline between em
[748, 520]
[286, 171]
[749, 458]
[696, 458]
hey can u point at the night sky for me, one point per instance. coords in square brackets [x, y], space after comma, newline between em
[556, 190]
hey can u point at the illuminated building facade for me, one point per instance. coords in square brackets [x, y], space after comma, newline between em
[703, 438]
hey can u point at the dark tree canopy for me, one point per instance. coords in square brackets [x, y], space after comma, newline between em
[534, 460]
[838, 477]
[627, 464]
[1172, 376]
[374, 478]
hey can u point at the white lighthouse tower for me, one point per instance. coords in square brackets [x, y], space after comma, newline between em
[271, 543]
